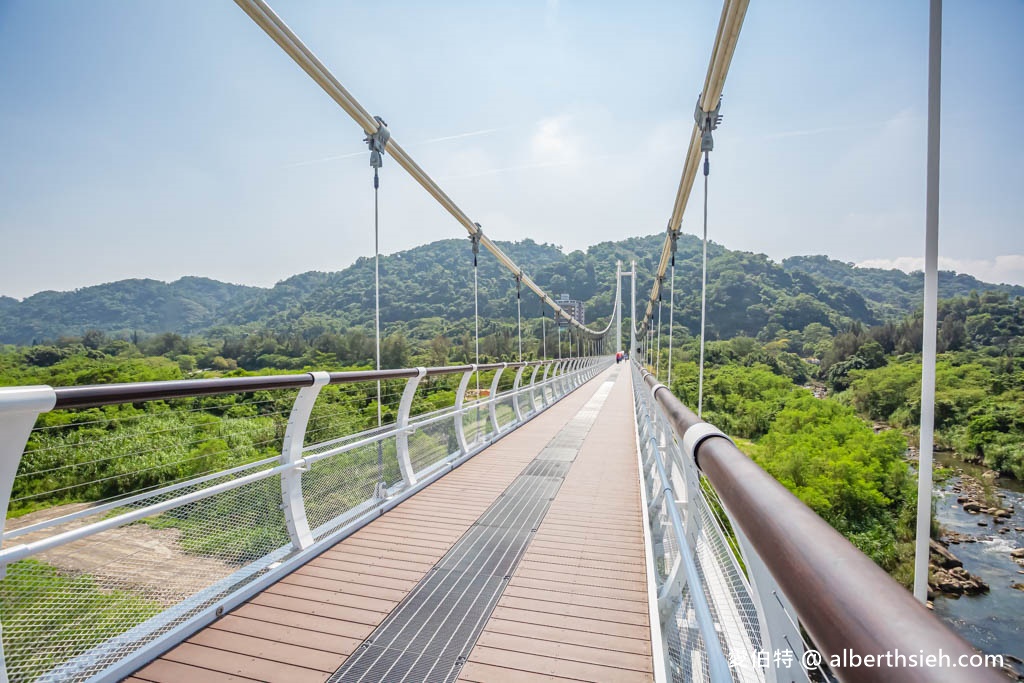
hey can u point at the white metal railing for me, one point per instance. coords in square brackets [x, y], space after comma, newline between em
[713, 624]
[94, 592]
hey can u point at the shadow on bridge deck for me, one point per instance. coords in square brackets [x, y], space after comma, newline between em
[569, 603]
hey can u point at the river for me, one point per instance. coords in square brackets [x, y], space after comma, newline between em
[992, 622]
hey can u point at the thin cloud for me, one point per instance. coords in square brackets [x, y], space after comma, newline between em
[350, 155]
[473, 134]
[321, 160]
[551, 9]
[899, 118]
[1005, 268]
[818, 131]
[525, 167]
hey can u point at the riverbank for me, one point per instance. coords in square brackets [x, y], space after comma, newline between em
[982, 520]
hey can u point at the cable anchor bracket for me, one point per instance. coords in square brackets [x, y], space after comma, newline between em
[475, 239]
[377, 142]
[673, 236]
[707, 121]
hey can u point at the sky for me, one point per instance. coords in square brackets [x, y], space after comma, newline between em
[173, 137]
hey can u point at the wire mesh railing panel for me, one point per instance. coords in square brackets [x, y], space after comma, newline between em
[715, 554]
[685, 647]
[722, 586]
[339, 485]
[504, 411]
[63, 602]
[476, 422]
[719, 563]
[431, 444]
[98, 455]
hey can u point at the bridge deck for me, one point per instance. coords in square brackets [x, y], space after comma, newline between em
[575, 608]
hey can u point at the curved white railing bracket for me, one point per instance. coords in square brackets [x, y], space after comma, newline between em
[293, 502]
[402, 425]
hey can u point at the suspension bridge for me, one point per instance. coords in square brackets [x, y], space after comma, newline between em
[561, 519]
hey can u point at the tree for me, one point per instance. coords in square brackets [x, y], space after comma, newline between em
[439, 347]
[43, 356]
[394, 351]
[93, 339]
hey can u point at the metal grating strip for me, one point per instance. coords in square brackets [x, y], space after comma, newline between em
[432, 631]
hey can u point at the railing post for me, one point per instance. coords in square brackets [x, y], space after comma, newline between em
[494, 398]
[515, 393]
[460, 400]
[533, 389]
[20, 407]
[544, 387]
[402, 428]
[292, 500]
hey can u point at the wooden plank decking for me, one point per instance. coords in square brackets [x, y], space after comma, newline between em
[575, 609]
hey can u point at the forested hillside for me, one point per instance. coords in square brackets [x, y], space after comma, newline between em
[891, 293]
[430, 287]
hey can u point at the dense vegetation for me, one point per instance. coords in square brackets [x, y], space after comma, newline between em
[428, 290]
[979, 408]
[821, 450]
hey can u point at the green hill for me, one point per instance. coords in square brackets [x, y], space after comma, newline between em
[748, 294]
[891, 293]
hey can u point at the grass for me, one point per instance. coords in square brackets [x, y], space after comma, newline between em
[50, 616]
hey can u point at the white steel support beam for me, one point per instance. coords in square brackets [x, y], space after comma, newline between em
[292, 500]
[544, 386]
[533, 390]
[931, 295]
[515, 393]
[402, 424]
[20, 407]
[493, 402]
[460, 400]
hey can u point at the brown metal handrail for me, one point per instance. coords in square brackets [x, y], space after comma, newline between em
[846, 602]
[94, 395]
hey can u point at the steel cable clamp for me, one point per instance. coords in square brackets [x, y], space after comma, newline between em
[696, 434]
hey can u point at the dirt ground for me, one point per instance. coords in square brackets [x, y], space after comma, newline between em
[135, 557]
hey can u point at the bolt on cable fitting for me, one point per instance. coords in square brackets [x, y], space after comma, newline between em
[475, 239]
[707, 121]
[377, 142]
